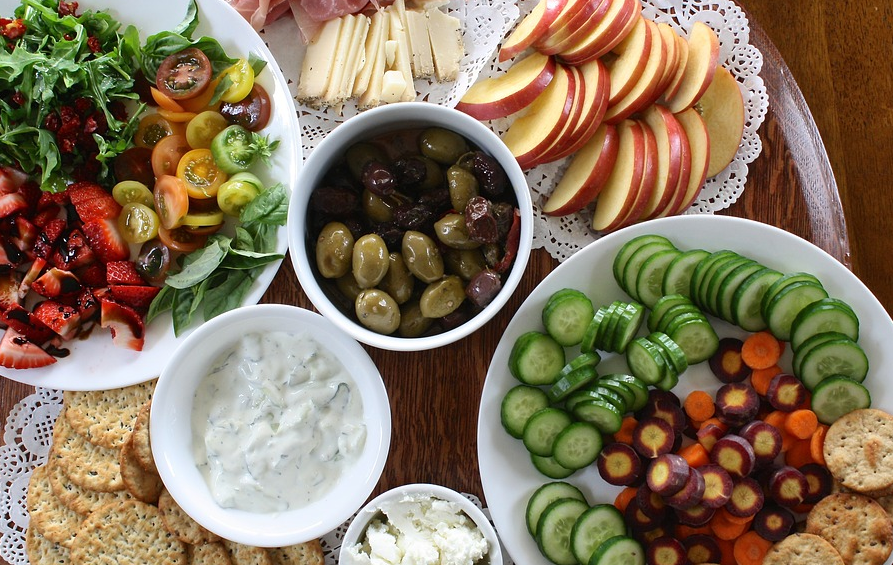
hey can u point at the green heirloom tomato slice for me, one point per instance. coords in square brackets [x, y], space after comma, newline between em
[232, 149]
[235, 194]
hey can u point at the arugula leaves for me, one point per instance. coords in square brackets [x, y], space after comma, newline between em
[217, 277]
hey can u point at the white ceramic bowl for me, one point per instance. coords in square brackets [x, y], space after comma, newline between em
[356, 531]
[392, 117]
[171, 428]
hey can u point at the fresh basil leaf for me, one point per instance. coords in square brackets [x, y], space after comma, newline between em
[162, 302]
[200, 264]
[227, 295]
[190, 22]
[256, 63]
[269, 207]
[244, 260]
[182, 309]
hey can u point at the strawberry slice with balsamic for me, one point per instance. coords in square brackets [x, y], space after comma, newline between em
[93, 275]
[48, 236]
[63, 319]
[16, 352]
[24, 234]
[92, 202]
[56, 282]
[26, 323]
[9, 290]
[105, 240]
[72, 251]
[11, 203]
[10, 256]
[123, 272]
[135, 296]
[126, 325]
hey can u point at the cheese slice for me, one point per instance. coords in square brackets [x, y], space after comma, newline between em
[444, 32]
[316, 70]
[378, 29]
[419, 44]
[393, 86]
[371, 96]
[355, 57]
[402, 60]
[342, 50]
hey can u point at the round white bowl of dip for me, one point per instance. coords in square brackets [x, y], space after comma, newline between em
[461, 527]
[179, 395]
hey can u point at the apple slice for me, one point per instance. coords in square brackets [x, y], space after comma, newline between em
[643, 91]
[569, 13]
[564, 136]
[632, 57]
[617, 23]
[595, 76]
[534, 132]
[586, 174]
[517, 88]
[669, 136]
[581, 25]
[676, 81]
[618, 195]
[700, 67]
[532, 27]
[670, 38]
[649, 179]
[699, 142]
[722, 107]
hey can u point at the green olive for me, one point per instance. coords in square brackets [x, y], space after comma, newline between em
[433, 175]
[359, 154]
[452, 232]
[348, 286]
[442, 297]
[464, 262]
[376, 208]
[422, 257]
[412, 323]
[370, 260]
[398, 282]
[442, 145]
[463, 186]
[378, 311]
[334, 248]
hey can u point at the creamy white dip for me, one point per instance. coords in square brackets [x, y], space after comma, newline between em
[275, 423]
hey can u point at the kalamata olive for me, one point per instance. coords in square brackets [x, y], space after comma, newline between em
[334, 202]
[391, 233]
[413, 216]
[483, 287]
[379, 179]
[378, 311]
[442, 145]
[505, 215]
[370, 260]
[422, 257]
[359, 154]
[412, 323]
[480, 222]
[452, 232]
[437, 199]
[153, 261]
[348, 286]
[433, 174]
[376, 208]
[334, 249]
[492, 253]
[464, 262]
[489, 173]
[398, 282]
[462, 185]
[455, 318]
[410, 172]
[442, 297]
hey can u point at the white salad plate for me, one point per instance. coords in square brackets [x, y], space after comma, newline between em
[94, 362]
[507, 475]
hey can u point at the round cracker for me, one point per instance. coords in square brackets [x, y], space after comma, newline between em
[857, 526]
[81, 500]
[106, 417]
[246, 554]
[179, 523]
[309, 553]
[127, 531]
[142, 447]
[142, 484]
[803, 549]
[858, 451]
[55, 521]
[42, 551]
[209, 554]
[88, 465]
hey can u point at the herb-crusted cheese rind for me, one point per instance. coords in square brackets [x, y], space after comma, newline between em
[444, 32]
[319, 58]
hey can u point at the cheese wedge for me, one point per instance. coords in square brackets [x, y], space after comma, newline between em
[339, 63]
[316, 70]
[445, 35]
[393, 86]
[371, 96]
[355, 58]
[419, 44]
[378, 30]
[402, 60]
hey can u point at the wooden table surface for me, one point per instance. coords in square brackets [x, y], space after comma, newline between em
[837, 51]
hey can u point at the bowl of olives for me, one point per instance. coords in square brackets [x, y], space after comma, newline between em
[412, 226]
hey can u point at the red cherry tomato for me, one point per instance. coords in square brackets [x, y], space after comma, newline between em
[252, 112]
[181, 239]
[167, 154]
[184, 74]
[135, 164]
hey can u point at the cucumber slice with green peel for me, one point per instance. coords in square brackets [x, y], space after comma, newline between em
[518, 405]
[747, 300]
[611, 396]
[546, 495]
[541, 429]
[677, 277]
[595, 526]
[698, 276]
[827, 314]
[783, 308]
[646, 361]
[677, 314]
[553, 531]
[809, 343]
[536, 359]
[628, 323]
[548, 467]
[634, 266]
[621, 388]
[838, 395]
[674, 354]
[700, 292]
[589, 359]
[630, 247]
[834, 357]
[604, 415]
[606, 329]
[589, 343]
[578, 445]
[729, 285]
[639, 388]
[783, 282]
[662, 305]
[619, 550]
[669, 382]
[715, 285]
[574, 380]
[567, 315]
[650, 278]
[697, 338]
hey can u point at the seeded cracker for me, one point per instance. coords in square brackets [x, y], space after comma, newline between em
[143, 485]
[142, 448]
[857, 526]
[209, 554]
[803, 549]
[246, 554]
[52, 519]
[87, 465]
[80, 500]
[179, 523]
[106, 417]
[128, 532]
[859, 451]
[42, 551]
[309, 553]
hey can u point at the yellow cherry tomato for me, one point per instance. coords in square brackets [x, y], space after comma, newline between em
[138, 223]
[242, 76]
[201, 129]
[200, 173]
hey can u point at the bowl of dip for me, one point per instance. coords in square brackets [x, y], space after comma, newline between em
[420, 523]
[270, 426]
[438, 244]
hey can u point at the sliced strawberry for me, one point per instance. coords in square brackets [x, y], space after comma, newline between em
[47, 238]
[105, 240]
[125, 324]
[25, 234]
[63, 319]
[27, 324]
[48, 199]
[11, 203]
[139, 297]
[72, 251]
[16, 352]
[10, 256]
[11, 180]
[42, 217]
[87, 304]
[92, 202]
[56, 282]
[123, 272]
[93, 275]
[9, 290]
[34, 271]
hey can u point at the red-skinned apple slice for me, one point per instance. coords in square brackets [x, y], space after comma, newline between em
[700, 67]
[570, 125]
[595, 76]
[616, 199]
[586, 174]
[649, 178]
[722, 107]
[677, 202]
[581, 25]
[517, 88]
[676, 81]
[531, 28]
[699, 142]
[534, 132]
[568, 13]
[632, 57]
[669, 36]
[643, 91]
[669, 136]
[617, 23]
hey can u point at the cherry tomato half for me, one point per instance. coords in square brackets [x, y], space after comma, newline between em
[200, 173]
[184, 74]
[242, 76]
[153, 128]
[171, 201]
[201, 129]
[167, 154]
[235, 194]
[135, 164]
[181, 239]
[128, 191]
[164, 101]
[137, 223]
[252, 112]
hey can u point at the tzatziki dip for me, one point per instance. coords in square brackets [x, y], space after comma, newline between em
[275, 422]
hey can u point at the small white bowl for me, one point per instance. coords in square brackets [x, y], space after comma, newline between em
[356, 531]
[377, 121]
[171, 428]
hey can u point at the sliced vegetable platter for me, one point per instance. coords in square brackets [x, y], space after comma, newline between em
[94, 362]
[507, 474]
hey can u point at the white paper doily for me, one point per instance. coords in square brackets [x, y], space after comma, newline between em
[486, 22]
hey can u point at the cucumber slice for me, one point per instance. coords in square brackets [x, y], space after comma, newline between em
[621, 388]
[628, 323]
[601, 413]
[730, 284]
[518, 405]
[809, 343]
[676, 314]
[595, 526]
[698, 276]
[646, 361]
[783, 282]
[825, 315]
[716, 282]
[567, 315]
[720, 260]
[650, 278]
[673, 353]
[553, 531]
[546, 495]
[536, 359]
[782, 309]
[542, 428]
[619, 550]
[835, 357]
[663, 305]
[589, 343]
[838, 395]
[639, 388]
[630, 247]
[697, 338]
[550, 468]
[577, 446]
[634, 266]
[576, 379]
[677, 277]
[606, 329]
[747, 299]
